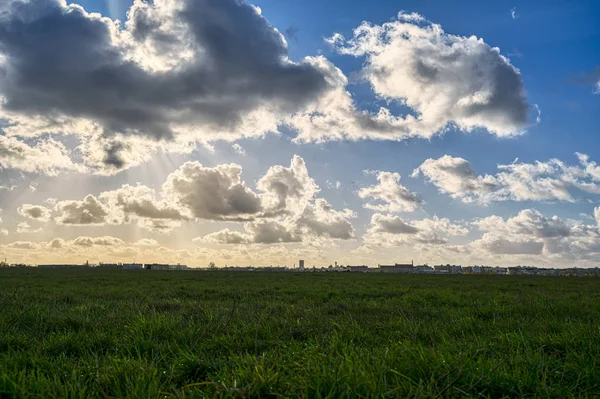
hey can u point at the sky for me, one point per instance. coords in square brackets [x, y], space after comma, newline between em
[261, 133]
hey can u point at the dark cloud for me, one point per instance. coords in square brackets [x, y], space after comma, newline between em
[61, 61]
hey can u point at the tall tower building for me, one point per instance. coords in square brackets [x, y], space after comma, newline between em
[301, 265]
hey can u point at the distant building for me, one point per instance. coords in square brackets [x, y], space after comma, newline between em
[157, 266]
[397, 268]
[133, 266]
[422, 269]
[301, 265]
[448, 269]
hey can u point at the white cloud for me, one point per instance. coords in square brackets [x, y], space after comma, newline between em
[444, 79]
[36, 212]
[238, 148]
[97, 241]
[390, 230]
[287, 190]
[140, 202]
[45, 156]
[318, 221]
[513, 13]
[25, 228]
[89, 211]
[395, 197]
[532, 233]
[334, 184]
[190, 73]
[540, 181]
[212, 193]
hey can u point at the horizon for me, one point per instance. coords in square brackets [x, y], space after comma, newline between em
[257, 132]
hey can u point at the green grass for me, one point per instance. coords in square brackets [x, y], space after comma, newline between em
[141, 334]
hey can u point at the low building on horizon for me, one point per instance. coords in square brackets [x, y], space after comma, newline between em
[397, 268]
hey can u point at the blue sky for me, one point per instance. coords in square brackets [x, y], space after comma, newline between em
[552, 49]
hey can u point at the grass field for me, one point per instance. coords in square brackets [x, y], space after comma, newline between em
[142, 334]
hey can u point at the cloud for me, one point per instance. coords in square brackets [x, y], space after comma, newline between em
[238, 148]
[3, 232]
[212, 193]
[213, 69]
[532, 233]
[287, 190]
[390, 230]
[89, 211]
[456, 177]
[513, 13]
[321, 220]
[334, 184]
[25, 228]
[97, 241]
[45, 156]
[499, 245]
[395, 197]
[528, 222]
[177, 74]
[195, 192]
[141, 202]
[539, 181]
[36, 212]
[445, 80]
[318, 221]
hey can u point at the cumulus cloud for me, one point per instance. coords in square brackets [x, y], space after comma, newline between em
[141, 202]
[180, 73]
[282, 208]
[395, 197]
[391, 230]
[444, 79]
[528, 222]
[456, 177]
[318, 221]
[532, 233]
[101, 241]
[539, 181]
[212, 193]
[215, 68]
[287, 190]
[89, 211]
[36, 212]
[45, 156]
[289, 211]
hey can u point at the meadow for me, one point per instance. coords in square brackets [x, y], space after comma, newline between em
[148, 334]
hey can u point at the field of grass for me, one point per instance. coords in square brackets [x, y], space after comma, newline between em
[143, 334]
